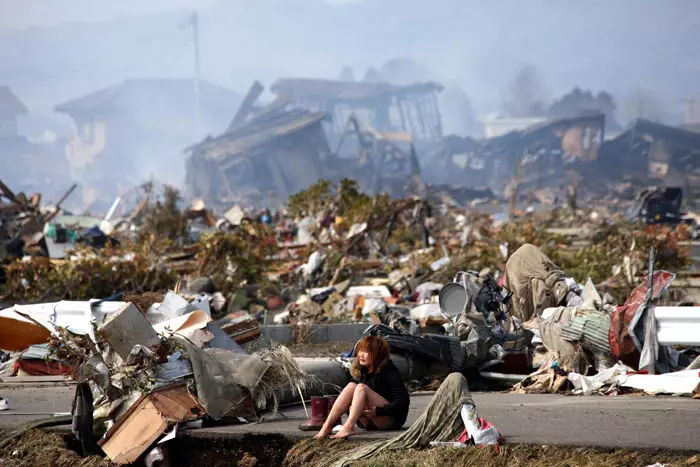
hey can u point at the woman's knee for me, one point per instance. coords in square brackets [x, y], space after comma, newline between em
[351, 386]
[361, 389]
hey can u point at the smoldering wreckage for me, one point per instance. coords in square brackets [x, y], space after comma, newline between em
[165, 336]
[390, 138]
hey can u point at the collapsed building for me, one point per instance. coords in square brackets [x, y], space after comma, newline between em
[560, 152]
[390, 139]
[387, 107]
[657, 154]
[392, 125]
[536, 155]
[270, 152]
[271, 156]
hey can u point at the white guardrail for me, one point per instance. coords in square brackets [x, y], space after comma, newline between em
[678, 325]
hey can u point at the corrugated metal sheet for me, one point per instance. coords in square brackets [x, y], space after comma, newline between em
[591, 329]
[675, 326]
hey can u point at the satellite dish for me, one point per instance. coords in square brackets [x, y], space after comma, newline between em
[453, 296]
[452, 299]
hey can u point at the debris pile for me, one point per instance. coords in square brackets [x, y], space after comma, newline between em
[142, 375]
[590, 345]
[551, 301]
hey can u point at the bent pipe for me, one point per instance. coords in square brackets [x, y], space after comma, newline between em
[329, 376]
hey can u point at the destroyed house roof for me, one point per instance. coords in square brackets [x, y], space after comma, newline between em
[595, 119]
[673, 135]
[10, 105]
[542, 129]
[141, 93]
[320, 89]
[258, 131]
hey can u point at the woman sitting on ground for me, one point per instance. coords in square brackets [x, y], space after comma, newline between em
[378, 400]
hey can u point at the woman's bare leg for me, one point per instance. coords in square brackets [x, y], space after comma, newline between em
[363, 397]
[341, 405]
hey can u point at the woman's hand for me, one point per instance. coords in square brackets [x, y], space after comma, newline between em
[370, 412]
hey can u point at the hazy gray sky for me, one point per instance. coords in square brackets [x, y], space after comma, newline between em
[27, 13]
[52, 51]
[79, 46]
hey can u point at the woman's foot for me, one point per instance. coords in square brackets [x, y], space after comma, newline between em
[344, 433]
[323, 433]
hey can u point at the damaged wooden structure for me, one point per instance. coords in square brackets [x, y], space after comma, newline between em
[390, 139]
[560, 152]
[538, 154]
[411, 109]
[654, 154]
[380, 162]
[269, 153]
[266, 155]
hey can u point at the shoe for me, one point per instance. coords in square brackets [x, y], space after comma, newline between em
[319, 413]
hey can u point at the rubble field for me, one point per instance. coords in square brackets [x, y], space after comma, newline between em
[520, 455]
[175, 320]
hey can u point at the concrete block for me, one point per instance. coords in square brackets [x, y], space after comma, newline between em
[126, 328]
[346, 332]
[318, 334]
[279, 333]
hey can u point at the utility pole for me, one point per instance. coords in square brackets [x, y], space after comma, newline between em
[195, 33]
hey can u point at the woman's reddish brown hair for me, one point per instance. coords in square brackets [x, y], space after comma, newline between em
[378, 349]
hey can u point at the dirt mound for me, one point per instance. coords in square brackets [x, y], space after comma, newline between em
[249, 451]
[39, 448]
[310, 451]
[530, 456]
[247, 460]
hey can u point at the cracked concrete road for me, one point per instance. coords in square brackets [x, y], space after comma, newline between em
[623, 421]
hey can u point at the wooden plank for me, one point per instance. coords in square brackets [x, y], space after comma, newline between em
[131, 438]
[147, 419]
[5, 190]
[256, 89]
[244, 331]
[176, 403]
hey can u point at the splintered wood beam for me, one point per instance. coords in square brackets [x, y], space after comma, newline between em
[60, 201]
[256, 89]
[9, 194]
